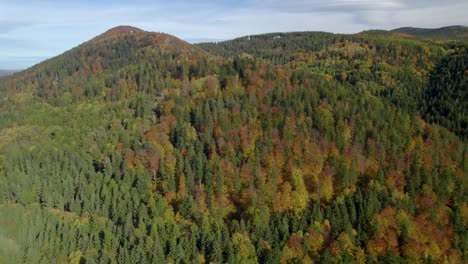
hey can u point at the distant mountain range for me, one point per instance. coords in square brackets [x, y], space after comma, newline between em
[7, 72]
[443, 33]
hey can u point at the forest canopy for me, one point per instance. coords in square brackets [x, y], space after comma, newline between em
[310, 147]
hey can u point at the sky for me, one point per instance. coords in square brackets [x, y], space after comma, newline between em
[34, 30]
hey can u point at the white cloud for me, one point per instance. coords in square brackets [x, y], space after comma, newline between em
[430, 17]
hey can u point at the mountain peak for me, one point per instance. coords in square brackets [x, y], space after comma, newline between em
[123, 30]
[120, 30]
[143, 37]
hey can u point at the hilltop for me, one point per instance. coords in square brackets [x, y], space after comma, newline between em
[393, 66]
[456, 33]
[121, 55]
[443, 33]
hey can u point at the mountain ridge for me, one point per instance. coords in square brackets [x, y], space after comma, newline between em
[118, 48]
[419, 30]
[456, 32]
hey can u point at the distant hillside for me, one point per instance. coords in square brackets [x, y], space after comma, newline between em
[443, 33]
[394, 66]
[459, 33]
[349, 58]
[113, 62]
[7, 72]
[276, 47]
[446, 98]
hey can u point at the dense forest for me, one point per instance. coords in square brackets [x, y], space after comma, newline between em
[310, 147]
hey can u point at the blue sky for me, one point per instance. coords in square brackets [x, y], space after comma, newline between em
[34, 30]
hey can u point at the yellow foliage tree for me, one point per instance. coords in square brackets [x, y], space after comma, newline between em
[243, 248]
[300, 196]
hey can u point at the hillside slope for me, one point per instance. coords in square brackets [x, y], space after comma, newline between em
[392, 66]
[114, 62]
[443, 33]
[446, 98]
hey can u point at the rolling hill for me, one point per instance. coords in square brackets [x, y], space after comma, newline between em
[450, 33]
[98, 65]
[443, 33]
[392, 66]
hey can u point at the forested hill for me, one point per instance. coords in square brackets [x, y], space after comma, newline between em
[393, 67]
[137, 147]
[112, 63]
[443, 33]
[451, 33]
